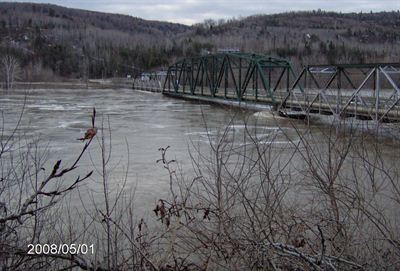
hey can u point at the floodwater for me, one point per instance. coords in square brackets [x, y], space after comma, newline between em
[140, 123]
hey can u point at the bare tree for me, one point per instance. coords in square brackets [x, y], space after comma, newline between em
[10, 69]
[263, 205]
[28, 192]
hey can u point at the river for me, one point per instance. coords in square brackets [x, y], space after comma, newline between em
[141, 123]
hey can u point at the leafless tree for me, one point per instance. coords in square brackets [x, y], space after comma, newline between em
[10, 69]
[28, 192]
[262, 205]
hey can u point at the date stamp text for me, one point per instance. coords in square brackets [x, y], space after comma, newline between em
[60, 249]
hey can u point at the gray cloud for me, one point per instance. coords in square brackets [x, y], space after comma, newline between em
[192, 11]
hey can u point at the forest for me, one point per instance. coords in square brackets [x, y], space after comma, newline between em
[51, 42]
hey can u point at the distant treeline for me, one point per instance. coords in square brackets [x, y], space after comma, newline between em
[51, 41]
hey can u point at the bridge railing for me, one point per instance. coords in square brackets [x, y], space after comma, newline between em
[148, 85]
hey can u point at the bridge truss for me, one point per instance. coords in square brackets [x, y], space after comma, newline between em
[235, 76]
[366, 91]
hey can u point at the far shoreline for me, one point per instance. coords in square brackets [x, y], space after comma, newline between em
[75, 84]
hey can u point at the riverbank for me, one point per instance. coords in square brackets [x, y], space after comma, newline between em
[77, 84]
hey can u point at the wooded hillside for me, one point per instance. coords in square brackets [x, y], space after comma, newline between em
[51, 41]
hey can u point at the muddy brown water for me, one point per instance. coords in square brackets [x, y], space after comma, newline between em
[140, 122]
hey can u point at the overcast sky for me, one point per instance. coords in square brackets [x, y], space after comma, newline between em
[193, 11]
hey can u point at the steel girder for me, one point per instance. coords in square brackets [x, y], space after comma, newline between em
[237, 76]
[368, 91]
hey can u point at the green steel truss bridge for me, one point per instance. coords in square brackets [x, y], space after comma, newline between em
[365, 91]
